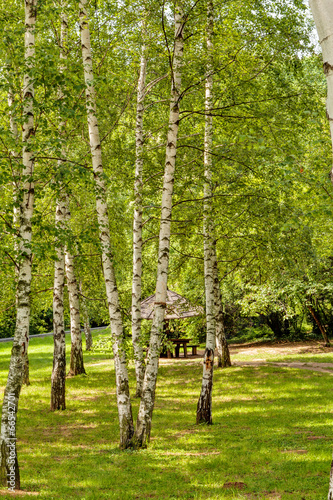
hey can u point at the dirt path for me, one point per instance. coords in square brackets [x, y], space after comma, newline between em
[259, 350]
[287, 349]
[317, 367]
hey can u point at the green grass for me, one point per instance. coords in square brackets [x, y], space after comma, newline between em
[261, 416]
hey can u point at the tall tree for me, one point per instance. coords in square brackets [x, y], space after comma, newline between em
[58, 377]
[204, 407]
[137, 224]
[123, 396]
[9, 468]
[144, 420]
[16, 211]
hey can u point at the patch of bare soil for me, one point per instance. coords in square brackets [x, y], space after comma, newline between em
[18, 493]
[237, 485]
[278, 348]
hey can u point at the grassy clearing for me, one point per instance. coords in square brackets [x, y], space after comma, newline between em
[271, 439]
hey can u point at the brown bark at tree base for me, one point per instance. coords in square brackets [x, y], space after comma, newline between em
[204, 407]
[224, 361]
[76, 364]
[5, 472]
[26, 378]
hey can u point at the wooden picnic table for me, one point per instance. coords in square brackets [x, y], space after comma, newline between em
[178, 344]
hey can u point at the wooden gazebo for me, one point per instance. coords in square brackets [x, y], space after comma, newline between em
[177, 307]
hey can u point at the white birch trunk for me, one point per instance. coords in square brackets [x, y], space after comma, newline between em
[58, 377]
[16, 212]
[204, 407]
[9, 469]
[76, 363]
[123, 396]
[137, 231]
[143, 429]
[223, 353]
[322, 11]
[86, 322]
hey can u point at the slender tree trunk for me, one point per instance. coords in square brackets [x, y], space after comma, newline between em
[223, 353]
[76, 363]
[86, 322]
[320, 326]
[137, 231]
[58, 377]
[204, 407]
[9, 468]
[16, 212]
[143, 429]
[123, 396]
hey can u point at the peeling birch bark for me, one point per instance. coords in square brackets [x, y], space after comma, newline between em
[204, 407]
[137, 230]
[123, 396]
[58, 377]
[16, 213]
[9, 468]
[223, 354]
[322, 12]
[144, 420]
[76, 366]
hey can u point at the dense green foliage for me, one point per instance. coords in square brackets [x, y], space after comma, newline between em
[272, 195]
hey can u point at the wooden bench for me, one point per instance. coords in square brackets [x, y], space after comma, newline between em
[194, 349]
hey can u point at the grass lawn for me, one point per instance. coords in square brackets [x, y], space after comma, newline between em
[271, 439]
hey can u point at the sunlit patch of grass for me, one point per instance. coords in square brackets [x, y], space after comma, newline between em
[271, 438]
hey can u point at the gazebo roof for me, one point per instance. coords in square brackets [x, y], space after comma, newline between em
[177, 307]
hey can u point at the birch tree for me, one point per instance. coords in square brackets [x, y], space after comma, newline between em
[123, 396]
[144, 420]
[86, 321]
[137, 227]
[58, 377]
[204, 407]
[76, 363]
[16, 211]
[10, 475]
[323, 17]
[223, 353]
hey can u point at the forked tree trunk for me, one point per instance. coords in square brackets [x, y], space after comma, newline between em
[76, 366]
[123, 396]
[322, 12]
[137, 231]
[58, 377]
[144, 420]
[86, 322]
[9, 468]
[204, 407]
[223, 354]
